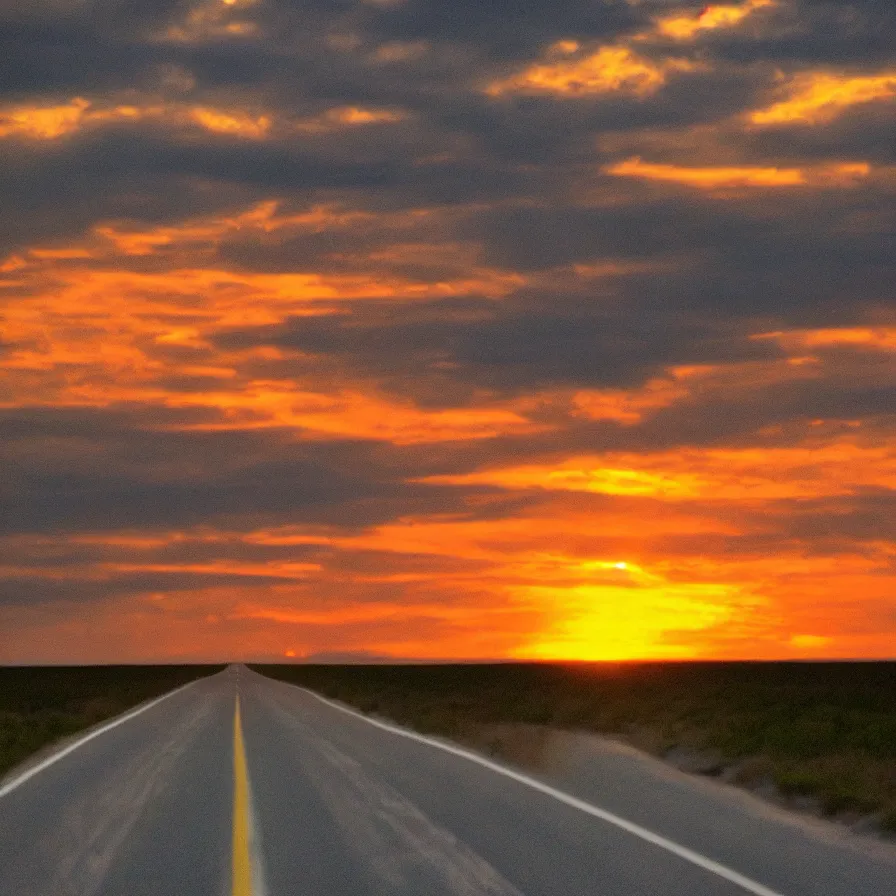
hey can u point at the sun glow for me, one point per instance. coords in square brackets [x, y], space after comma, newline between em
[610, 622]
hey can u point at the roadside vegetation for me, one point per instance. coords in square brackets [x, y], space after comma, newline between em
[40, 705]
[817, 735]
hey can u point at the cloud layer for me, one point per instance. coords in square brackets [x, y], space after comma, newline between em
[406, 328]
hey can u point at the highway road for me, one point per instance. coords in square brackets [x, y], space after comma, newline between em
[238, 785]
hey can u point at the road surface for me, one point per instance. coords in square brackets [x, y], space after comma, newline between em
[238, 785]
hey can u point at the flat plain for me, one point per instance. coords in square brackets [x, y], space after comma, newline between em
[40, 705]
[820, 736]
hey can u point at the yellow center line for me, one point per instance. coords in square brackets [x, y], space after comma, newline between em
[242, 871]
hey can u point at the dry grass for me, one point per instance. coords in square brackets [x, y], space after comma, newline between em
[40, 705]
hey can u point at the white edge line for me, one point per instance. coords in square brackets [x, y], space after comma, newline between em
[683, 852]
[17, 781]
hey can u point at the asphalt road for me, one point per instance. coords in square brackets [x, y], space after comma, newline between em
[238, 785]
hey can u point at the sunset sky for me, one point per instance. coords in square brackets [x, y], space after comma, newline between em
[447, 329]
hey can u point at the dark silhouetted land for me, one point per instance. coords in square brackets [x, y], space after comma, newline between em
[817, 734]
[40, 705]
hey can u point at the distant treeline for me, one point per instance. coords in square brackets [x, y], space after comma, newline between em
[823, 730]
[41, 704]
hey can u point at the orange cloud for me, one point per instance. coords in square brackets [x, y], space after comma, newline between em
[377, 611]
[237, 123]
[332, 612]
[626, 406]
[611, 69]
[516, 544]
[836, 467]
[722, 177]
[284, 570]
[575, 476]
[54, 122]
[260, 405]
[816, 97]
[43, 122]
[88, 328]
[711, 18]
[880, 338]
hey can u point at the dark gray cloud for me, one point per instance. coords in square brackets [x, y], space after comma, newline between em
[869, 516]
[823, 32]
[532, 24]
[61, 191]
[505, 347]
[522, 149]
[109, 45]
[34, 590]
[82, 470]
[746, 240]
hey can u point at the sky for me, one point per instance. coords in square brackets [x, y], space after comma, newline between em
[447, 330]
